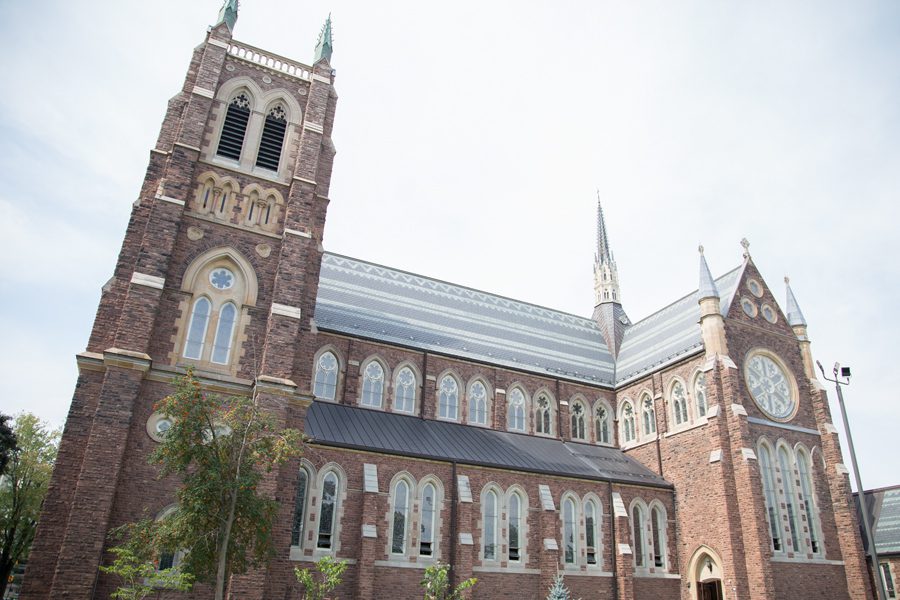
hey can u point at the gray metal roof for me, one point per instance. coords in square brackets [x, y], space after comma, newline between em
[390, 433]
[367, 300]
[670, 333]
[884, 510]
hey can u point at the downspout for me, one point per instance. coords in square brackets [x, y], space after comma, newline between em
[612, 514]
[346, 369]
[422, 388]
[659, 454]
[453, 525]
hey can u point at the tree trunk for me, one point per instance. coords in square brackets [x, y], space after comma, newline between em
[6, 567]
[223, 549]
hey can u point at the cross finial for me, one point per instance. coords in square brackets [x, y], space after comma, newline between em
[787, 280]
[746, 245]
[700, 248]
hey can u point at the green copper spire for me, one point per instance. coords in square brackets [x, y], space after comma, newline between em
[228, 14]
[324, 45]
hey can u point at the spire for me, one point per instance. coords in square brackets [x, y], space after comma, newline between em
[324, 46]
[602, 240]
[228, 14]
[708, 287]
[606, 276]
[794, 316]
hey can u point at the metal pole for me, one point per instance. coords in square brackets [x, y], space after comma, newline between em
[876, 567]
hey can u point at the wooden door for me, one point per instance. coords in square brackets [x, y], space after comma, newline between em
[709, 590]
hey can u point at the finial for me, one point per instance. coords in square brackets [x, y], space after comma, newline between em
[324, 46]
[794, 315]
[228, 14]
[700, 249]
[708, 287]
[746, 245]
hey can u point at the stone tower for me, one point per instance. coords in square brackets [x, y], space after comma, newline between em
[218, 268]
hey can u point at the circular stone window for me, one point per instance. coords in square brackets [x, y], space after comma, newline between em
[157, 426]
[769, 313]
[755, 287]
[221, 279]
[749, 307]
[770, 386]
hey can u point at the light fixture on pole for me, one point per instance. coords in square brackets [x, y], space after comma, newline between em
[844, 373]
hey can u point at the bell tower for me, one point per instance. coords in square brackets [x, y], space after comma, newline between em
[218, 270]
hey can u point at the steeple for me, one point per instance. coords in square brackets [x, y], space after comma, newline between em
[324, 46]
[228, 14]
[794, 316]
[708, 287]
[606, 276]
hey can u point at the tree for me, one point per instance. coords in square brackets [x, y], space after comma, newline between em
[437, 584]
[558, 591]
[134, 564]
[329, 575]
[22, 490]
[221, 449]
[7, 442]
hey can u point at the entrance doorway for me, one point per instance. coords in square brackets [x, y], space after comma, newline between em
[709, 590]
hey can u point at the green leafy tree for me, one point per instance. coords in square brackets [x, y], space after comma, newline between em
[327, 576]
[558, 591]
[7, 442]
[22, 490]
[135, 564]
[221, 449]
[437, 584]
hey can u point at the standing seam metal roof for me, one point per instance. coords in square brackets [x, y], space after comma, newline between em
[391, 433]
[371, 301]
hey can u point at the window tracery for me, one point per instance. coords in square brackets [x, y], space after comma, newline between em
[448, 398]
[373, 384]
[405, 390]
[478, 403]
[326, 376]
[516, 410]
[577, 418]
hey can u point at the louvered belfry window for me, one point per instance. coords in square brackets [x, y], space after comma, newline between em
[272, 139]
[235, 127]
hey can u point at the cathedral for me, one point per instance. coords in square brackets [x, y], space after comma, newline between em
[689, 455]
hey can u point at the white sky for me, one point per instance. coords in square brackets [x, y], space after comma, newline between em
[471, 139]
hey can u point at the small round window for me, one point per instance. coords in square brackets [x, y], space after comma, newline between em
[755, 288]
[769, 313]
[221, 279]
[748, 306]
[158, 425]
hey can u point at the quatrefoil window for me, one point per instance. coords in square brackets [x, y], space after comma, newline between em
[221, 279]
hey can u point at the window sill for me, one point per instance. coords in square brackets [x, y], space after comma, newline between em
[297, 555]
[512, 569]
[687, 427]
[632, 445]
[403, 562]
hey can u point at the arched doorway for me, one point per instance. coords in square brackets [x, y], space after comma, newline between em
[705, 571]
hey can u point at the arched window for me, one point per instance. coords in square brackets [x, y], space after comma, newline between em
[272, 139]
[426, 526]
[299, 509]
[700, 394]
[577, 418]
[809, 500]
[490, 518]
[637, 531]
[405, 391]
[514, 524]
[193, 347]
[400, 517]
[235, 127]
[168, 559]
[649, 416]
[373, 384]
[515, 411]
[224, 334]
[569, 536]
[325, 386]
[601, 423]
[477, 404]
[448, 398]
[543, 415]
[628, 429]
[679, 404]
[787, 480]
[658, 530]
[328, 510]
[773, 510]
[591, 531]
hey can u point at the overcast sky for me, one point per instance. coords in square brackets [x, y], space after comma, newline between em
[472, 138]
